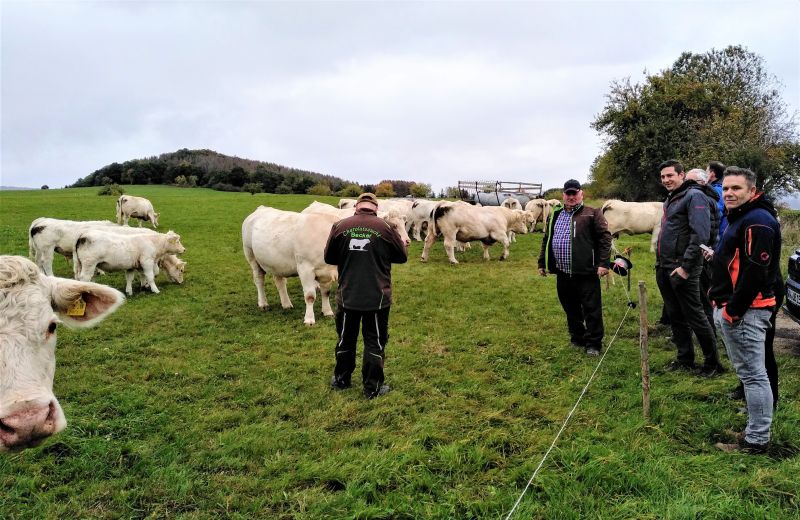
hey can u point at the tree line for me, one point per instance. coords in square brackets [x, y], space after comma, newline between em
[722, 105]
[210, 169]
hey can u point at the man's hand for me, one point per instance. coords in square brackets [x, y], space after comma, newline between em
[542, 272]
[602, 271]
[680, 272]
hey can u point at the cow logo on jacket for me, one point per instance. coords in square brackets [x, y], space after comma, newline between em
[358, 244]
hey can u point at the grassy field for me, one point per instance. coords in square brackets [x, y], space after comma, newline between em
[193, 403]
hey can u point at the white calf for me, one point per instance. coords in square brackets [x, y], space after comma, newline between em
[137, 207]
[114, 252]
[47, 236]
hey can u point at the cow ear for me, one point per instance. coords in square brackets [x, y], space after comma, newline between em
[83, 304]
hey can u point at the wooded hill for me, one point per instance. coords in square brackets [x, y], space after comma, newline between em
[213, 170]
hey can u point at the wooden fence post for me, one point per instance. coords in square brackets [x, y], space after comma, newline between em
[643, 351]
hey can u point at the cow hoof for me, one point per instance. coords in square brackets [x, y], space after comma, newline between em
[308, 323]
[264, 307]
[328, 314]
[502, 258]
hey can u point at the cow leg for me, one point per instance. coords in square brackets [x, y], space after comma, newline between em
[426, 246]
[449, 247]
[147, 268]
[325, 296]
[503, 239]
[87, 272]
[485, 251]
[280, 284]
[45, 261]
[258, 277]
[129, 282]
[309, 283]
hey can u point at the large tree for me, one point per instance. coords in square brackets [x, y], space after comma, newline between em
[721, 105]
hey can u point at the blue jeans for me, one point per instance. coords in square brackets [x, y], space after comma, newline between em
[744, 341]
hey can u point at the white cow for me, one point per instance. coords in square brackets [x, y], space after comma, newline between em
[31, 307]
[511, 203]
[114, 252]
[347, 203]
[464, 223]
[401, 207]
[47, 236]
[286, 244]
[421, 214]
[536, 207]
[321, 207]
[137, 207]
[634, 218]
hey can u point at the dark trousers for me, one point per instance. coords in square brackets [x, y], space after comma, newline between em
[686, 314]
[374, 327]
[580, 298]
[705, 285]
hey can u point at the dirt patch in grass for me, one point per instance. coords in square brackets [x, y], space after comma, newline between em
[787, 335]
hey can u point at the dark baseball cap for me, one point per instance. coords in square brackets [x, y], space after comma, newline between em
[571, 184]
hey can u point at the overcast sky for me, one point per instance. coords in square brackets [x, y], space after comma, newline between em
[432, 92]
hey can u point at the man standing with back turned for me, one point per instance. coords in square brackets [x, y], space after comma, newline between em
[745, 266]
[686, 226]
[363, 247]
[576, 247]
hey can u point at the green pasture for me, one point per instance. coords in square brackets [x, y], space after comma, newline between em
[193, 403]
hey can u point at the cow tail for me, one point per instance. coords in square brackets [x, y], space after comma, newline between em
[119, 212]
[76, 257]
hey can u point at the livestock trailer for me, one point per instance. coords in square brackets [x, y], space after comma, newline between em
[493, 193]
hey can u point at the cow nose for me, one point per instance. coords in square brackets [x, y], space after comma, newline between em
[27, 427]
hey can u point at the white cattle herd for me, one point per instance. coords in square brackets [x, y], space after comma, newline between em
[276, 242]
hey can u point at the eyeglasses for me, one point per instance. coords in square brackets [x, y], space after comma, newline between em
[571, 192]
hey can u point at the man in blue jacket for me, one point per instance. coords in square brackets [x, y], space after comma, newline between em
[715, 171]
[685, 227]
[745, 268]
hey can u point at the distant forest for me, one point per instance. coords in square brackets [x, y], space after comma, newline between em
[207, 168]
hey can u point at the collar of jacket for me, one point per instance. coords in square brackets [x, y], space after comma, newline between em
[562, 207]
[682, 188]
[758, 201]
[365, 211]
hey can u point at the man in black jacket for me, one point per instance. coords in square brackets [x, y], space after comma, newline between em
[363, 247]
[576, 247]
[686, 226]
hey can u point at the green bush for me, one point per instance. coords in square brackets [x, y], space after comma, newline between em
[111, 189]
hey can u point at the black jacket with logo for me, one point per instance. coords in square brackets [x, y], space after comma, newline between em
[364, 247]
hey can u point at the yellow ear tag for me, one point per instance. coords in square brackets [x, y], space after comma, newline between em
[78, 308]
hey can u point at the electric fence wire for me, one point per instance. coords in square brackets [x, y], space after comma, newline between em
[580, 397]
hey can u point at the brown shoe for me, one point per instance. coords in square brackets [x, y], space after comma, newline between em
[742, 447]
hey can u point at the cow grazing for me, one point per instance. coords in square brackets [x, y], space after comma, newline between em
[47, 236]
[114, 252]
[464, 223]
[634, 218]
[286, 244]
[31, 307]
[136, 207]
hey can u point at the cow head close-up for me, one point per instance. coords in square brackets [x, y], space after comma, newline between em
[32, 305]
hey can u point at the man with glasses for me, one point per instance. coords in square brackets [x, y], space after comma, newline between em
[576, 248]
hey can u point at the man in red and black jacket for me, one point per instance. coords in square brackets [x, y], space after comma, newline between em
[363, 247]
[745, 266]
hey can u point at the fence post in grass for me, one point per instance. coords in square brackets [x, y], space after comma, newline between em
[643, 352]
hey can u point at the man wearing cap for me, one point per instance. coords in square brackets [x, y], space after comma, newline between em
[363, 247]
[576, 248]
[686, 225]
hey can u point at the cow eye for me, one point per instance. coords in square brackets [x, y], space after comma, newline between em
[51, 328]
